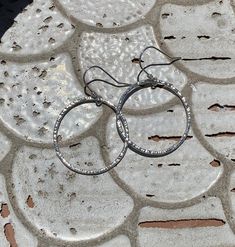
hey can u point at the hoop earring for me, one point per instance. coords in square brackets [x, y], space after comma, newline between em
[123, 127]
[153, 83]
[121, 123]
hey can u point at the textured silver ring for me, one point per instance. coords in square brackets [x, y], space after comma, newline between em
[153, 83]
[122, 126]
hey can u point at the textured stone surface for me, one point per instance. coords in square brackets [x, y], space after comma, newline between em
[117, 53]
[48, 29]
[42, 58]
[5, 145]
[116, 242]
[214, 109]
[109, 13]
[32, 95]
[20, 234]
[232, 192]
[83, 207]
[211, 35]
[205, 233]
[177, 177]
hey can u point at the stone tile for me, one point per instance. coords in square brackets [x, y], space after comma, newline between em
[214, 108]
[211, 35]
[69, 207]
[40, 28]
[107, 13]
[232, 192]
[83, 207]
[12, 231]
[118, 54]
[117, 242]
[177, 177]
[5, 144]
[233, 4]
[32, 95]
[3, 239]
[202, 225]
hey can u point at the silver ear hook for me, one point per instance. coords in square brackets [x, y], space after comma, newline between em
[92, 93]
[121, 123]
[143, 69]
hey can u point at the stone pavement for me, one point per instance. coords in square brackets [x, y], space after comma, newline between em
[185, 199]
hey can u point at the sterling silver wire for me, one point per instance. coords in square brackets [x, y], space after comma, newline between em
[153, 83]
[59, 154]
[121, 123]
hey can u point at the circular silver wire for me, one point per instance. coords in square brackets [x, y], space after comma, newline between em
[153, 83]
[122, 123]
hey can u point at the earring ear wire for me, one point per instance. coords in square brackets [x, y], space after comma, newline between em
[121, 123]
[91, 92]
[143, 69]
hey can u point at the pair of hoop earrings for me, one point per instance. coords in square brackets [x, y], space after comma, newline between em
[121, 122]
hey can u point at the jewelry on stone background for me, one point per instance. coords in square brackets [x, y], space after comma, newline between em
[153, 83]
[121, 123]
[65, 111]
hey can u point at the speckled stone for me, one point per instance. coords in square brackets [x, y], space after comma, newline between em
[22, 236]
[48, 30]
[83, 207]
[42, 59]
[177, 177]
[118, 54]
[213, 233]
[107, 13]
[5, 144]
[211, 35]
[116, 242]
[214, 109]
[32, 95]
[232, 193]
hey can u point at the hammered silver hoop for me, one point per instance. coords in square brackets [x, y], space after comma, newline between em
[153, 83]
[64, 112]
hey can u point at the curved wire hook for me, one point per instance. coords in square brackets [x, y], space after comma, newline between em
[154, 64]
[87, 84]
[100, 80]
[88, 91]
[143, 69]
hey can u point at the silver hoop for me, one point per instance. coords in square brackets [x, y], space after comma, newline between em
[153, 83]
[122, 126]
